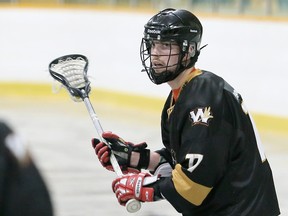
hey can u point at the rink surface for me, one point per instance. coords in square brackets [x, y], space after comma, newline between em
[59, 130]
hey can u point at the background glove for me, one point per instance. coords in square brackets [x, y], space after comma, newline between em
[122, 151]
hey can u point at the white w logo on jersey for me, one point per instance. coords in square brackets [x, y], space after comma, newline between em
[201, 116]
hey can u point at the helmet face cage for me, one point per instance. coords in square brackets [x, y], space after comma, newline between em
[171, 25]
[167, 74]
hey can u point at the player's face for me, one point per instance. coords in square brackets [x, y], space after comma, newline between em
[164, 56]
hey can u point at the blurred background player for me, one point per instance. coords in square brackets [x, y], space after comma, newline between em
[22, 189]
[212, 162]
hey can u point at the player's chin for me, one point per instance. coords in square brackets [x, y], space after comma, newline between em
[159, 70]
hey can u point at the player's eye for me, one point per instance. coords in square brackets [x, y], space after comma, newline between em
[166, 44]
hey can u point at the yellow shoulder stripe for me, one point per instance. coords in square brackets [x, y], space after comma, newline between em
[191, 191]
[194, 74]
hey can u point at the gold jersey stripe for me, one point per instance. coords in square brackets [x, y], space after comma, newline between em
[191, 191]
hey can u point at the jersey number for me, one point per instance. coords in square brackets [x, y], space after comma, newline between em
[194, 161]
[258, 140]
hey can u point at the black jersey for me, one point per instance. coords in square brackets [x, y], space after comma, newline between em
[218, 165]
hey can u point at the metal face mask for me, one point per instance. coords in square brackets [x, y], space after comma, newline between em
[162, 60]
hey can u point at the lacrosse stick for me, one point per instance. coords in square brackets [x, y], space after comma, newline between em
[71, 72]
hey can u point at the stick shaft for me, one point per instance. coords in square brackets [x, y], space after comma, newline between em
[100, 130]
[132, 205]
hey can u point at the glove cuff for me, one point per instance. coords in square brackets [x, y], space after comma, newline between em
[144, 159]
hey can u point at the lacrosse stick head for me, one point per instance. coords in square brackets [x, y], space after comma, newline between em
[71, 72]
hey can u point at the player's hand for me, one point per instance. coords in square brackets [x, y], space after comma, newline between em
[131, 186]
[121, 149]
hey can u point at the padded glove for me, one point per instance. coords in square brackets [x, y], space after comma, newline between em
[132, 186]
[122, 151]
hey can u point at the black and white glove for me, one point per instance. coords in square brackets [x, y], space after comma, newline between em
[122, 151]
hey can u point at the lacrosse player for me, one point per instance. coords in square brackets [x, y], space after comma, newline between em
[22, 189]
[212, 162]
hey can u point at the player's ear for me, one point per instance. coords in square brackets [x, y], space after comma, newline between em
[192, 50]
[190, 54]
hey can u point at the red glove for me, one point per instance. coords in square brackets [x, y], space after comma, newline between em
[131, 186]
[122, 151]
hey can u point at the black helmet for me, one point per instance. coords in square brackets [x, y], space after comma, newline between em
[170, 25]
